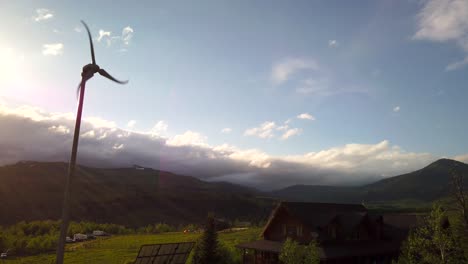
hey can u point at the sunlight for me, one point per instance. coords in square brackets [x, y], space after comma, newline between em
[11, 65]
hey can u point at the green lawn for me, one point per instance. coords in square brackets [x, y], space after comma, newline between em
[123, 249]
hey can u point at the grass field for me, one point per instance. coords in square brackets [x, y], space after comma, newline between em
[123, 249]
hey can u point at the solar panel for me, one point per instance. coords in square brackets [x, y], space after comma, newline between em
[171, 253]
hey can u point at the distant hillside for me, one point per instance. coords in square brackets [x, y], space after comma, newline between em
[427, 184]
[130, 196]
[139, 196]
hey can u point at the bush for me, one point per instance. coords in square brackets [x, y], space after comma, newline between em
[434, 242]
[293, 253]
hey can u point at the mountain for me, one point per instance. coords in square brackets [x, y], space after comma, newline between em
[131, 196]
[138, 196]
[427, 184]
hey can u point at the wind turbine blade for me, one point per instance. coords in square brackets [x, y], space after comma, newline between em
[90, 42]
[108, 76]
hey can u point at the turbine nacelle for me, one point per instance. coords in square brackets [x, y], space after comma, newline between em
[89, 70]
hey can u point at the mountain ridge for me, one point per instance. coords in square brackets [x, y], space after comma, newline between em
[137, 196]
[130, 196]
[435, 177]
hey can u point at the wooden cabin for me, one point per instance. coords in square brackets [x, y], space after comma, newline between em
[346, 233]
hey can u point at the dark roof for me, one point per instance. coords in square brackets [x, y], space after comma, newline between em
[320, 214]
[263, 245]
[324, 207]
[403, 221]
[332, 251]
[361, 248]
[349, 221]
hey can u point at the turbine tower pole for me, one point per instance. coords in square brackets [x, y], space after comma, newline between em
[71, 172]
[88, 72]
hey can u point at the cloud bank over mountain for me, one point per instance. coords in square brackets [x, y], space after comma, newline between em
[32, 134]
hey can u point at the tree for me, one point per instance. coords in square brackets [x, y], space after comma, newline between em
[461, 198]
[460, 194]
[293, 253]
[432, 243]
[208, 250]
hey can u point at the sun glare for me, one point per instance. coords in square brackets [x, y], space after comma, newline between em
[11, 66]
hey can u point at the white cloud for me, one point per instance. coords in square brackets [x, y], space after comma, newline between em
[226, 130]
[333, 43]
[306, 116]
[98, 122]
[366, 158]
[188, 138]
[43, 14]
[396, 109]
[462, 158]
[124, 39]
[127, 35]
[314, 86]
[60, 129]
[291, 132]
[444, 21]
[265, 130]
[282, 72]
[89, 134]
[104, 34]
[53, 49]
[78, 29]
[159, 128]
[131, 123]
[457, 65]
[102, 144]
[118, 146]
[285, 126]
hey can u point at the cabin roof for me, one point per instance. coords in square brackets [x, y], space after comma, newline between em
[361, 248]
[320, 214]
[403, 221]
[263, 245]
[331, 251]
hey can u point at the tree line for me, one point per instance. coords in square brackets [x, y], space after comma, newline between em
[29, 238]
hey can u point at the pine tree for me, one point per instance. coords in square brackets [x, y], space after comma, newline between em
[207, 248]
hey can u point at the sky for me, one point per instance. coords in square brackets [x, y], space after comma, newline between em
[262, 93]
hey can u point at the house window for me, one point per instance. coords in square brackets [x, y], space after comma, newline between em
[299, 230]
[332, 231]
[291, 230]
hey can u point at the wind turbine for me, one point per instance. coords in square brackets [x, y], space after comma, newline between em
[88, 72]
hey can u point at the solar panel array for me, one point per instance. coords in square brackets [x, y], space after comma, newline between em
[172, 253]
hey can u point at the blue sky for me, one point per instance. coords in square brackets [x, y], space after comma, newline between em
[359, 72]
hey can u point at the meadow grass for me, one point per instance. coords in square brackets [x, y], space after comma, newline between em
[124, 249]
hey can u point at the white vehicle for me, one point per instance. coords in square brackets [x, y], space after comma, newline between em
[79, 237]
[98, 233]
[3, 255]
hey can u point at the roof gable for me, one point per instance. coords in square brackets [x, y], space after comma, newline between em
[318, 214]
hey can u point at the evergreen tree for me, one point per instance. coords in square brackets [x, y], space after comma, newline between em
[207, 250]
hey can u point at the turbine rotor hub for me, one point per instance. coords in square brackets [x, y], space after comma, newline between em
[89, 70]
